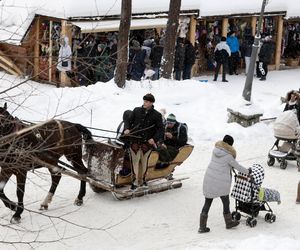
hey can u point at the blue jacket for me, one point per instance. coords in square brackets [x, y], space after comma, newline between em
[233, 44]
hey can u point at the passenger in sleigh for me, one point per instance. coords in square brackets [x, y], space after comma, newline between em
[175, 137]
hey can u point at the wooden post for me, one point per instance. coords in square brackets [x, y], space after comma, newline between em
[192, 30]
[36, 59]
[65, 31]
[224, 33]
[50, 50]
[224, 26]
[278, 42]
[253, 24]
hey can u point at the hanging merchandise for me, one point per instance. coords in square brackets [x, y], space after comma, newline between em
[183, 26]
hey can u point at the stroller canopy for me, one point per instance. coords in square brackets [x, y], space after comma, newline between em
[244, 185]
[286, 125]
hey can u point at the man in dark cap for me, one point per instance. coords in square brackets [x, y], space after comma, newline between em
[144, 130]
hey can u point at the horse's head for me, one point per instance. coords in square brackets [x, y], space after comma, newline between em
[7, 122]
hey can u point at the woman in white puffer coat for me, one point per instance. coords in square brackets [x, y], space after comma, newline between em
[217, 181]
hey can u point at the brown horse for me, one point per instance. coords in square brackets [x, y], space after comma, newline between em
[23, 149]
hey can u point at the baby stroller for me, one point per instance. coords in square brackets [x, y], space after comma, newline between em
[251, 198]
[286, 129]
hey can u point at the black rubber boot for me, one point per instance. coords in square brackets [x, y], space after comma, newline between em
[229, 222]
[203, 228]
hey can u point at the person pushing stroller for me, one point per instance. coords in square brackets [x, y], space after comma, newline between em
[217, 181]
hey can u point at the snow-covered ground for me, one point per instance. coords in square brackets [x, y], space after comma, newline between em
[167, 220]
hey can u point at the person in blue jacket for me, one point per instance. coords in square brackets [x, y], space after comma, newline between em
[234, 46]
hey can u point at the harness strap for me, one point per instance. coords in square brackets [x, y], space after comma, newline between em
[61, 132]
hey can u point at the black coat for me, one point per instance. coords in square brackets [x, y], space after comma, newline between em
[221, 56]
[137, 64]
[246, 48]
[190, 54]
[179, 138]
[266, 52]
[179, 58]
[156, 55]
[147, 123]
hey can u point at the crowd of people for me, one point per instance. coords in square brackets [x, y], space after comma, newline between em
[90, 60]
[148, 58]
[228, 52]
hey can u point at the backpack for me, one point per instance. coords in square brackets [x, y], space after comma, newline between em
[181, 124]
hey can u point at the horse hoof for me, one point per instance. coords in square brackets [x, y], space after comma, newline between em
[44, 207]
[15, 220]
[78, 202]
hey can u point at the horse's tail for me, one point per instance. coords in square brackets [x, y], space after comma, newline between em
[87, 135]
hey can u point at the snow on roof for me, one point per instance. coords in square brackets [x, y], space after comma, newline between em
[16, 15]
[229, 7]
[113, 25]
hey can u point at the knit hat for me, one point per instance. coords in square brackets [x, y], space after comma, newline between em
[149, 97]
[171, 118]
[228, 139]
[135, 44]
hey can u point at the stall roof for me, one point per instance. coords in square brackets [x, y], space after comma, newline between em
[113, 25]
[17, 15]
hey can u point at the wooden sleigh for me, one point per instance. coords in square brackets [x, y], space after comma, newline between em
[105, 160]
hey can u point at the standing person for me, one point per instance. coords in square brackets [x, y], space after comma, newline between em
[246, 51]
[145, 127]
[102, 64]
[189, 59]
[234, 46]
[137, 64]
[222, 52]
[217, 181]
[114, 52]
[64, 56]
[179, 60]
[155, 57]
[265, 56]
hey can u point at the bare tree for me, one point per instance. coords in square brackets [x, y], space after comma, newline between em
[170, 40]
[124, 29]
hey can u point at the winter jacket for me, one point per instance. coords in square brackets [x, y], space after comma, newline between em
[179, 57]
[103, 65]
[156, 55]
[233, 44]
[190, 54]
[293, 106]
[179, 138]
[64, 55]
[217, 178]
[266, 52]
[147, 124]
[246, 48]
[137, 64]
[222, 52]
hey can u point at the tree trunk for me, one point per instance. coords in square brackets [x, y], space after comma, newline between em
[123, 38]
[170, 40]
